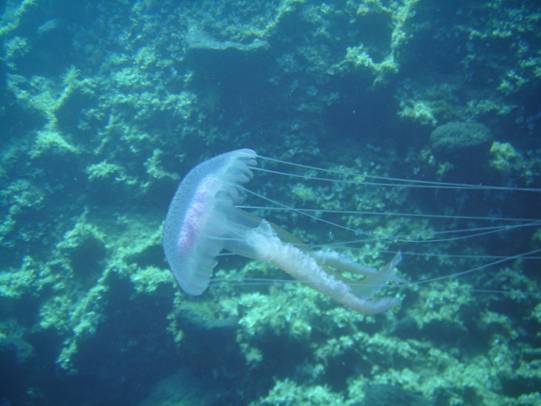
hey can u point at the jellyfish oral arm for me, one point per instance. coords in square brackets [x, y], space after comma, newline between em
[309, 269]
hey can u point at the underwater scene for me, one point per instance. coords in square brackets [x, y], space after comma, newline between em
[270, 202]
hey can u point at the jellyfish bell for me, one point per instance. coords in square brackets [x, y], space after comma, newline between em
[203, 220]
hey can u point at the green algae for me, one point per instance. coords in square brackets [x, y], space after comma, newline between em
[52, 143]
[396, 15]
[22, 199]
[14, 12]
[287, 392]
[15, 48]
[507, 160]
[304, 193]
[148, 280]
[418, 110]
[444, 303]
[12, 337]
[14, 284]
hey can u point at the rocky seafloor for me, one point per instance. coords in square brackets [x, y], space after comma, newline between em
[107, 104]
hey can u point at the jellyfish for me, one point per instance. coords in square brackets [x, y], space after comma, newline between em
[203, 220]
[207, 217]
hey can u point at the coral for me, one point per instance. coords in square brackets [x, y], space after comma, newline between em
[455, 137]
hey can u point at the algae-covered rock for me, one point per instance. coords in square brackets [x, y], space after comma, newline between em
[12, 15]
[383, 395]
[150, 278]
[52, 142]
[198, 39]
[181, 389]
[12, 339]
[417, 110]
[505, 159]
[15, 47]
[137, 92]
[287, 392]
[457, 137]
[15, 284]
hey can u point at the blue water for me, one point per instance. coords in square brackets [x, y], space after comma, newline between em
[106, 105]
